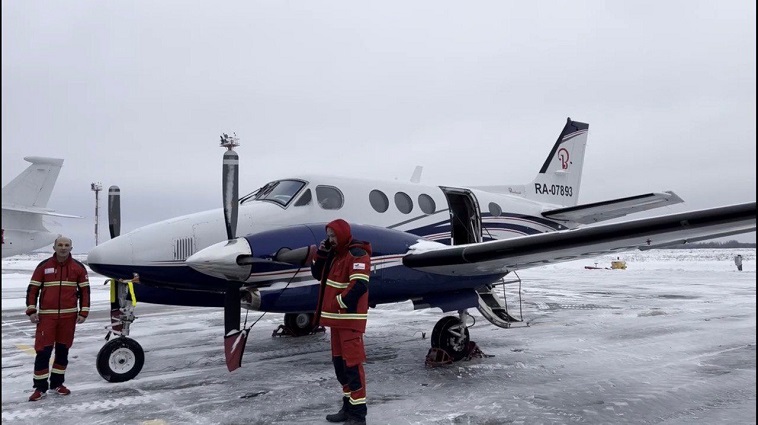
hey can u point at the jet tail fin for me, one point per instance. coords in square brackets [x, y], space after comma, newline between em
[560, 176]
[558, 180]
[32, 188]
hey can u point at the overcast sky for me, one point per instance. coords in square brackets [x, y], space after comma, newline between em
[136, 94]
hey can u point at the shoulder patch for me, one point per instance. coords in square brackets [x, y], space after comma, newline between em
[358, 251]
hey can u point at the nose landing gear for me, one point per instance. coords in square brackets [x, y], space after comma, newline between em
[121, 358]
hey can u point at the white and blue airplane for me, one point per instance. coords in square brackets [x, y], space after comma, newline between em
[24, 205]
[437, 246]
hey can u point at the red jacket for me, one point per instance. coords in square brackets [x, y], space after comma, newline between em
[344, 274]
[62, 289]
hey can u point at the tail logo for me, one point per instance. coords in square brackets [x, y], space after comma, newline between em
[563, 156]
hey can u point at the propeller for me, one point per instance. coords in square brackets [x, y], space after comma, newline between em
[114, 211]
[234, 338]
[230, 192]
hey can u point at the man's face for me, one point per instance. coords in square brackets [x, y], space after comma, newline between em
[62, 247]
[331, 236]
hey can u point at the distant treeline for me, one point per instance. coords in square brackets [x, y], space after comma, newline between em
[711, 245]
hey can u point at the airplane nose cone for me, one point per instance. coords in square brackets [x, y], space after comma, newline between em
[104, 258]
[223, 260]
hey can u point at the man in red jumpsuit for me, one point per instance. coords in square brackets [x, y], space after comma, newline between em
[343, 265]
[61, 285]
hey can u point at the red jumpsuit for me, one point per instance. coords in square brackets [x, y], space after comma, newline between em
[343, 307]
[63, 293]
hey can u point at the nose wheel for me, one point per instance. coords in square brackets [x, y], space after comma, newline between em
[120, 359]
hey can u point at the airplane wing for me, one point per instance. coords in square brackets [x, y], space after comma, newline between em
[615, 208]
[518, 253]
[34, 210]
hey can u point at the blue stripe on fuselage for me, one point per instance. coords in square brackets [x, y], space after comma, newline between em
[175, 283]
[392, 284]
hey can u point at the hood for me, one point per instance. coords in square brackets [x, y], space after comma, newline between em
[342, 231]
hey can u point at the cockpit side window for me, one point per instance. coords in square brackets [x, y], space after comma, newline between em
[305, 199]
[329, 197]
[281, 192]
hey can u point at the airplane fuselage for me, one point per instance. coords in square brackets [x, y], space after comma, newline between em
[23, 233]
[402, 213]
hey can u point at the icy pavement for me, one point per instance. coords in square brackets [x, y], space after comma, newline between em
[671, 340]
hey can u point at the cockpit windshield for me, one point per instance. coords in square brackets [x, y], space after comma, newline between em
[279, 191]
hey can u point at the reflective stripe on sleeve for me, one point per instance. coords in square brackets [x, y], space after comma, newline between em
[345, 316]
[360, 276]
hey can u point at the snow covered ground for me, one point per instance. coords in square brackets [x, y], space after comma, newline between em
[671, 340]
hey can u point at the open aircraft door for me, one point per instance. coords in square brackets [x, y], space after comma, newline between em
[465, 217]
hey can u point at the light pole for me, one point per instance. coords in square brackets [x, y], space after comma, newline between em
[97, 187]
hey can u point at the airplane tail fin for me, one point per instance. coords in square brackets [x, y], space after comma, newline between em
[560, 176]
[32, 188]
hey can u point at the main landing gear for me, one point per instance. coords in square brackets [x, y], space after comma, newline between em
[297, 324]
[451, 341]
[121, 358]
[450, 337]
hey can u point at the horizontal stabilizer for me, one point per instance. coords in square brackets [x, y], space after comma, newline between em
[615, 208]
[41, 211]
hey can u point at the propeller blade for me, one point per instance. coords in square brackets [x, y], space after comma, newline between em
[230, 187]
[232, 307]
[234, 338]
[114, 211]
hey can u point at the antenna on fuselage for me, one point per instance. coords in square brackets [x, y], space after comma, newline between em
[416, 177]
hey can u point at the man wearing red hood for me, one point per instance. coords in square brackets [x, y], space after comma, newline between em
[343, 265]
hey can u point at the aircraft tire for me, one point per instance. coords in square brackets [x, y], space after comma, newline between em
[299, 323]
[120, 359]
[443, 339]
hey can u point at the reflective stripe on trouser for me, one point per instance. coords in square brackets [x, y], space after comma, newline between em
[347, 345]
[58, 373]
[42, 363]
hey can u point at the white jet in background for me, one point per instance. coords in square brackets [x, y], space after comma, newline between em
[25, 202]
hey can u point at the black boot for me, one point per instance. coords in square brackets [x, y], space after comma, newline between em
[356, 414]
[340, 416]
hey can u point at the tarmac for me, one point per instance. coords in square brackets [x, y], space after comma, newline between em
[670, 340]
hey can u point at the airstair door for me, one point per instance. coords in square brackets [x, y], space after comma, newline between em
[465, 217]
